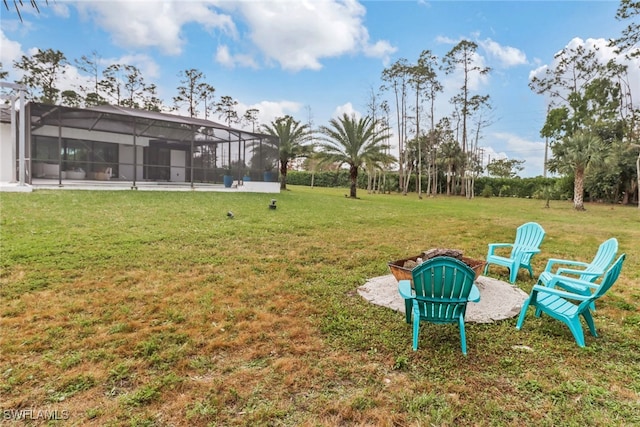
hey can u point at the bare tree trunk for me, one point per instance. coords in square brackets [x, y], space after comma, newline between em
[407, 180]
[373, 181]
[384, 181]
[429, 176]
[469, 184]
[435, 179]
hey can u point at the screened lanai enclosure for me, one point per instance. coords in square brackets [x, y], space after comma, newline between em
[122, 144]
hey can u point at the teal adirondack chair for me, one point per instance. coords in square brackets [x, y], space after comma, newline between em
[528, 239]
[584, 271]
[442, 288]
[557, 303]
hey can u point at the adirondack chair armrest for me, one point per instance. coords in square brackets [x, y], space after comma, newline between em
[593, 274]
[404, 288]
[558, 280]
[528, 249]
[558, 292]
[553, 261]
[494, 246]
[474, 295]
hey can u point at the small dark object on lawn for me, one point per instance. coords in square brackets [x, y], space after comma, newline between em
[273, 204]
[230, 215]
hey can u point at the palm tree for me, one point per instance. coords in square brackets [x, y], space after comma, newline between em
[294, 138]
[17, 6]
[574, 155]
[450, 155]
[354, 142]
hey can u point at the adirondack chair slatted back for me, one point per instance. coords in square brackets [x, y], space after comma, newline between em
[608, 280]
[442, 287]
[606, 253]
[528, 235]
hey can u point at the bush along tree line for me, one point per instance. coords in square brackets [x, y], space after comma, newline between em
[559, 188]
[592, 125]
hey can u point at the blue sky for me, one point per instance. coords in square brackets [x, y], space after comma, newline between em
[315, 59]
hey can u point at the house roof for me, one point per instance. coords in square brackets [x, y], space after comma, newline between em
[141, 123]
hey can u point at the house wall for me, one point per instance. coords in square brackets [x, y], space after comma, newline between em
[178, 163]
[125, 158]
[125, 152]
[7, 155]
[90, 135]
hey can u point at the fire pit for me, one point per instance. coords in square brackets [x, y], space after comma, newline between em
[401, 269]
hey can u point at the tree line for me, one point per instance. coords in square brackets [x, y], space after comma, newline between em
[592, 122]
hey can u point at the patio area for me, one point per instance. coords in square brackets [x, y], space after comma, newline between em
[116, 185]
[498, 300]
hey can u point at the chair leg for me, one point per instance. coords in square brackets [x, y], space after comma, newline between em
[592, 326]
[463, 336]
[530, 271]
[486, 269]
[408, 308]
[416, 325]
[523, 313]
[513, 274]
[576, 330]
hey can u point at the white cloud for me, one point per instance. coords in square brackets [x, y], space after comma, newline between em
[380, 49]
[224, 57]
[489, 155]
[297, 35]
[269, 110]
[11, 51]
[538, 72]
[346, 109]
[507, 56]
[446, 40]
[72, 79]
[60, 9]
[148, 67]
[138, 24]
[518, 148]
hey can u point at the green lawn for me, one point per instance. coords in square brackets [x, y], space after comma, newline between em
[153, 308]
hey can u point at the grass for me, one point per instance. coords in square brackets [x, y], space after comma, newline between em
[151, 308]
